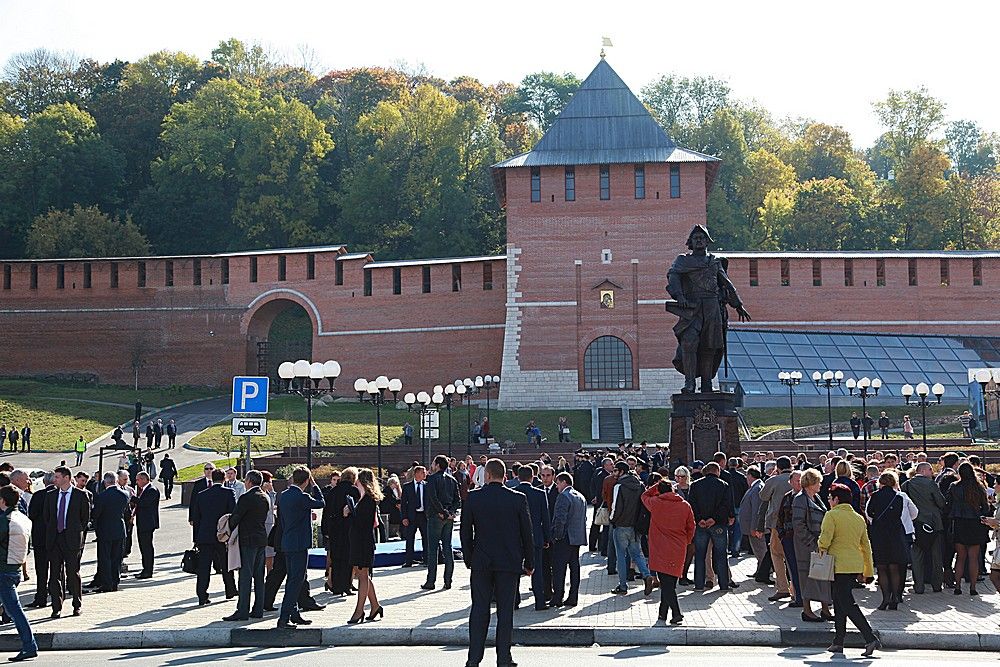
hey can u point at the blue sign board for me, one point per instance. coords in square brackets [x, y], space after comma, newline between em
[250, 395]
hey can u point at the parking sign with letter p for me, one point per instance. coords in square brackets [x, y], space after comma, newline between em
[250, 395]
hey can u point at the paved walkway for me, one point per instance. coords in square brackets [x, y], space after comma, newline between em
[164, 612]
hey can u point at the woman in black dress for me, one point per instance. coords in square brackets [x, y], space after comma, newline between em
[337, 530]
[967, 505]
[887, 537]
[363, 518]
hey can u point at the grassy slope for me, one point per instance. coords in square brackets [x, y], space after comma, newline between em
[352, 424]
[191, 473]
[764, 420]
[56, 424]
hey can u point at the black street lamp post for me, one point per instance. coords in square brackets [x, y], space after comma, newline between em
[866, 387]
[829, 380]
[422, 403]
[374, 392]
[471, 388]
[489, 381]
[923, 400]
[790, 380]
[304, 379]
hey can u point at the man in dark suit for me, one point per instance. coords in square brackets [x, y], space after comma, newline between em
[209, 506]
[497, 545]
[196, 489]
[249, 516]
[67, 513]
[443, 502]
[26, 438]
[147, 520]
[171, 434]
[538, 507]
[296, 538]
[168, 471]
[279, 570]
[110, 507]
[413, 508]
[548, 478]
[36, 512]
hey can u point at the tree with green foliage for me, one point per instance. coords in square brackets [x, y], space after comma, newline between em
[910, 118]
[972, 151]
[681, 104]
[819, 214]
[542, 95]
[53, 160]
[764, 172]
[84, 232]
[230, 159]
[424, 189]
[919, 190]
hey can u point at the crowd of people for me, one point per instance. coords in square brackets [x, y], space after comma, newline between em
[883, 519]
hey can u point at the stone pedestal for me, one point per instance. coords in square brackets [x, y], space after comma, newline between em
[702, 424]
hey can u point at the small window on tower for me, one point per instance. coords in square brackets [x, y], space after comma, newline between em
[786, 277]
[456, 277]
[338, 272]
[754, 277]
[168, 274]
[34, 276]
[140, 274]
[570, 184]
[945, 273]
[310, 266]
[880, 273]
[487, 275]
[368, 282]
[675, 181]
[848, 273]
[640, 181]
[605, 181]
[397, 280]
[60, 276]
[536, 184]
[817, 273]
[87, 275]
[224, 270]
[253, 269]
[977, 272]
[426, 280]
[196, 270]
[911, 271]
[282, 267]
[114, 275]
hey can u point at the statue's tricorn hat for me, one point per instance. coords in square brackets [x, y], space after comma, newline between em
[703, 230]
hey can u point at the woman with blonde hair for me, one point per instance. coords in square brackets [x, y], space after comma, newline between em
[363, 520]
[808, 511]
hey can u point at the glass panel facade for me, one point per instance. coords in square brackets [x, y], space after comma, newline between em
[755, 357]
[607, 364]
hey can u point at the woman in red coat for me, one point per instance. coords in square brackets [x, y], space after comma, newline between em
[671, 529]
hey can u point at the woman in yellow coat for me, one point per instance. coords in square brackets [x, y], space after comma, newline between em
[844, 535]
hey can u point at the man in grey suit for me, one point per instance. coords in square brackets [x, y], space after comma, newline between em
[569, 533]
[749, 509]
[928, 527]
[771, 493]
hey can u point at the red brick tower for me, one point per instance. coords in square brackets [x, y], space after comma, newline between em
[596, 212]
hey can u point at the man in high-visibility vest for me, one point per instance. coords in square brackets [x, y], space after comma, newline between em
[81, 448]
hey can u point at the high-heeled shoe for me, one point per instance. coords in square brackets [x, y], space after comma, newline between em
[811, 619]
[883, 606]
[380, 612]
[356, 619]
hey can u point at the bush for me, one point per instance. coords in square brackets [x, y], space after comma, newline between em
[285, 472]
[324, 471]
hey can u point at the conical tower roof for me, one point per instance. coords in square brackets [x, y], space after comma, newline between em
[603, 123]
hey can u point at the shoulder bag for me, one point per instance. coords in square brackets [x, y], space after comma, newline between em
[189, 562]
[602, 517]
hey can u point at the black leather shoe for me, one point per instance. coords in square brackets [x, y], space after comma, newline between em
[236, 617]
[447, 585]
[427, 587]
[55, 614]
[22, 656]
[76, 612]
[285, 625]
[313, 607]
[202, 603]
[301, 621]
[256, 614]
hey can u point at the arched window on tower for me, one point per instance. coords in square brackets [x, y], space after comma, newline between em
[607, 364]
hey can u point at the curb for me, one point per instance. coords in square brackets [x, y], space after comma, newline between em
[526, 636]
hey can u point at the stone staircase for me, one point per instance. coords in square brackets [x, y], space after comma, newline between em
[611, 427]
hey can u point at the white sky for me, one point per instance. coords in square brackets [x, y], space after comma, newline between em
[822, 60]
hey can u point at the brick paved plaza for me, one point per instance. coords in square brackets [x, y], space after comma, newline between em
[163, 612]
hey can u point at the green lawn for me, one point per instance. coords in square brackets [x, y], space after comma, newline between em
[651, 425]
[59, 413]
[191, 473]
[55, 425]
[153, 397]
[765, 420]
[351, 424]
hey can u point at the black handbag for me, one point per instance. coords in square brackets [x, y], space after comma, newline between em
[189, 563]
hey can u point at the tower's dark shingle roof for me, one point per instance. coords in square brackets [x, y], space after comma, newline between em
[603, 123]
